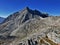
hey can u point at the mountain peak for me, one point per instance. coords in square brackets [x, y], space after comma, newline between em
[26, 8]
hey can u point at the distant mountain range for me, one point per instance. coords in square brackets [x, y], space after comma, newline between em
[30, 27]
[1, 19]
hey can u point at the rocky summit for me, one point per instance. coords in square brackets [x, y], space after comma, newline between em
[30, 27]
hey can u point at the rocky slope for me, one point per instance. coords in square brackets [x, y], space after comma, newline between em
[30, 27]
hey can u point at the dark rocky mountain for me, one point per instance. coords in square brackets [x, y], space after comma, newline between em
[30, 27]
[1, 19]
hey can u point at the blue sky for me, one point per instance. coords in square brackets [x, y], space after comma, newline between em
[8, 7]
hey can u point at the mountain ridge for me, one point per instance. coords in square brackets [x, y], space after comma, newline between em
[33, 12]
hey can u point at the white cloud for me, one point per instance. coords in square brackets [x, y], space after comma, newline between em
[3, 16]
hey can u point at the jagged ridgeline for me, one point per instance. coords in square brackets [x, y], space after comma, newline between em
[30, 27]
[27, 14]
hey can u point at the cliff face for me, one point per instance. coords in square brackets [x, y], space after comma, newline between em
[30, 27]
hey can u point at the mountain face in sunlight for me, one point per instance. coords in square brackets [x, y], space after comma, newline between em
[30, 27]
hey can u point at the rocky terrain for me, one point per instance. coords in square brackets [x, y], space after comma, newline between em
[30, 27]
